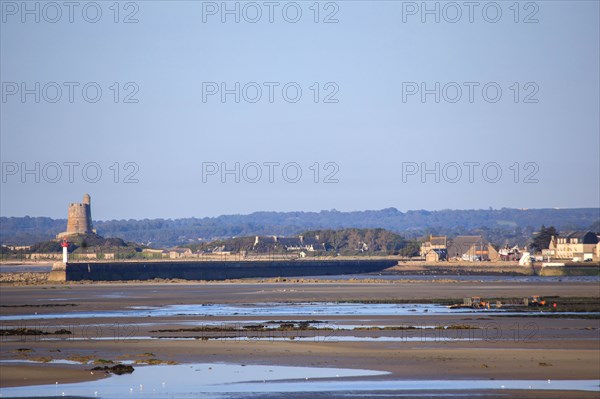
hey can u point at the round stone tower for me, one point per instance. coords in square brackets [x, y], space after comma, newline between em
[79, 218]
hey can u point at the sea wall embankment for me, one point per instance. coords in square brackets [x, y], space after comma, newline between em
[213, 270]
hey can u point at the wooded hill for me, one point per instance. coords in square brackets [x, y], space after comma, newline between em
[499, 225]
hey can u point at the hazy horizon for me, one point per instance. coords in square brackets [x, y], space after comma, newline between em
[304, 211]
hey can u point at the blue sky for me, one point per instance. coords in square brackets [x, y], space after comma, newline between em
[369, 134]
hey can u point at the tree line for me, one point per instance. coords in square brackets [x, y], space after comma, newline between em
[502, 226]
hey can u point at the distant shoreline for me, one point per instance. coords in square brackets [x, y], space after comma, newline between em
[230, 258]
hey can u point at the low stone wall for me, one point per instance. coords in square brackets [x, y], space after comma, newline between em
[215, 270]
[23, 278]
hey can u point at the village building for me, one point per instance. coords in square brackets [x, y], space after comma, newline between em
[435, 249]
[178, 253]
[578, 246]
[472, 249]
[289, 243]
[465, 248]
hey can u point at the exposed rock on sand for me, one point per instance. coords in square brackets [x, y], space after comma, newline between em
[116, 369]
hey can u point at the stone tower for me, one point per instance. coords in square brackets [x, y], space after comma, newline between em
[79, 218]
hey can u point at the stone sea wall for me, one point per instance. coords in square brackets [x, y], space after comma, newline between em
[214, 270]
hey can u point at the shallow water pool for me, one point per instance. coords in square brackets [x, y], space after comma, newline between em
[213, 380]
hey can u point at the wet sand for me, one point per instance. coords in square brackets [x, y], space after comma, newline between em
[119, 295]
[551, 348]
[19, 375]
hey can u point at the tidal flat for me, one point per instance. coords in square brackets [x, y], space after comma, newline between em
[397, 339]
